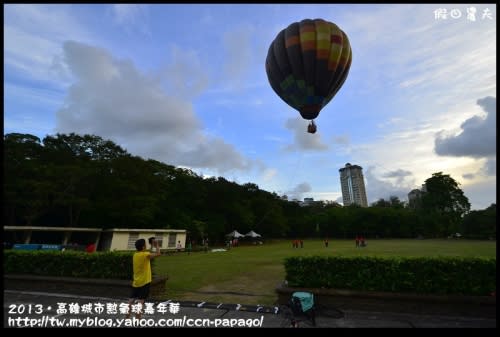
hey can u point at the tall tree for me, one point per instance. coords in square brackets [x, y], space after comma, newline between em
[395, 202]
[77, 166]
[24, 187]
[444, 198]
[381, 203]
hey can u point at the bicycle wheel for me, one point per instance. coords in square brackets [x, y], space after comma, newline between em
[286, 316]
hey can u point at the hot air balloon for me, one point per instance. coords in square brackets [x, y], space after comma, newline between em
[307, 64]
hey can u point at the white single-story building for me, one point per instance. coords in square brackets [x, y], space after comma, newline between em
[124, 238]
[51, 235]
[104, 240]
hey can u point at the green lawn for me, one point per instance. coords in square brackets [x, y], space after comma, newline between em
[250, 274]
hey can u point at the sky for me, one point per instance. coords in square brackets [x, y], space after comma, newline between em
[185, 84]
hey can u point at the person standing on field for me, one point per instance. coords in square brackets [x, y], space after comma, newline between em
[143, 276]
[154, 244]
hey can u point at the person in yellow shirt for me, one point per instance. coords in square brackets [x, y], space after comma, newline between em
[141, 282]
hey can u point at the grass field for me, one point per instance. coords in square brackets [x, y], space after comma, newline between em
[250, 274]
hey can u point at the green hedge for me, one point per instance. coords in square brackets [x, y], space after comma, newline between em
[112, 265]
[443, 275]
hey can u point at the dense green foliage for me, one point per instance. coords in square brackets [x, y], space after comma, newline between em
[86, 181]
[426, 275]
[115, 265]
[481, 224]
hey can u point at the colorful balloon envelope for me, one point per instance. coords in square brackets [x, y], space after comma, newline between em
[307, 64]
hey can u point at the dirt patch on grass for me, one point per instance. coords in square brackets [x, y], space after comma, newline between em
[252, 287]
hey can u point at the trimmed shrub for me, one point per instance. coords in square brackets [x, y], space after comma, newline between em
[111, 265]
[443, 275]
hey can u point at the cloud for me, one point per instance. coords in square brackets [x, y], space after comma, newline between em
[480, 194]
[478, 136]
[269, 174]
[414, 66]
[298, 191]
[112, 99]
[399, 174]
[215, 153]
[131, 16]
[33, 36]
[239, 53]
[302, 140]
[341, 140]
[36, 95]
[468, 176]
[489, 169]
[185, 73]
[376, 188]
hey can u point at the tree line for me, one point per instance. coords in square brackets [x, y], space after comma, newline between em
[71, 180]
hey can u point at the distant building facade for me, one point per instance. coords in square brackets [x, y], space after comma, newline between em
[353, 185]
[125, 238]
[308, 201]
[415, 197]
[120, 239]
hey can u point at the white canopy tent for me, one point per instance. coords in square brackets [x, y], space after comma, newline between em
[235, 234]
[252, 234]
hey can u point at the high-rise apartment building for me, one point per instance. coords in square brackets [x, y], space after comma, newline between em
[353, 185]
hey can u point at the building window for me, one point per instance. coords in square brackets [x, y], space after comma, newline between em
[171, 239]
[159, 238]
[132, 238]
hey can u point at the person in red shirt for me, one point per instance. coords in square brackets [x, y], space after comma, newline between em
[362, 240]
[90, 248]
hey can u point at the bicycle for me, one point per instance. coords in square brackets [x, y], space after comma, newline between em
[294, 319]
